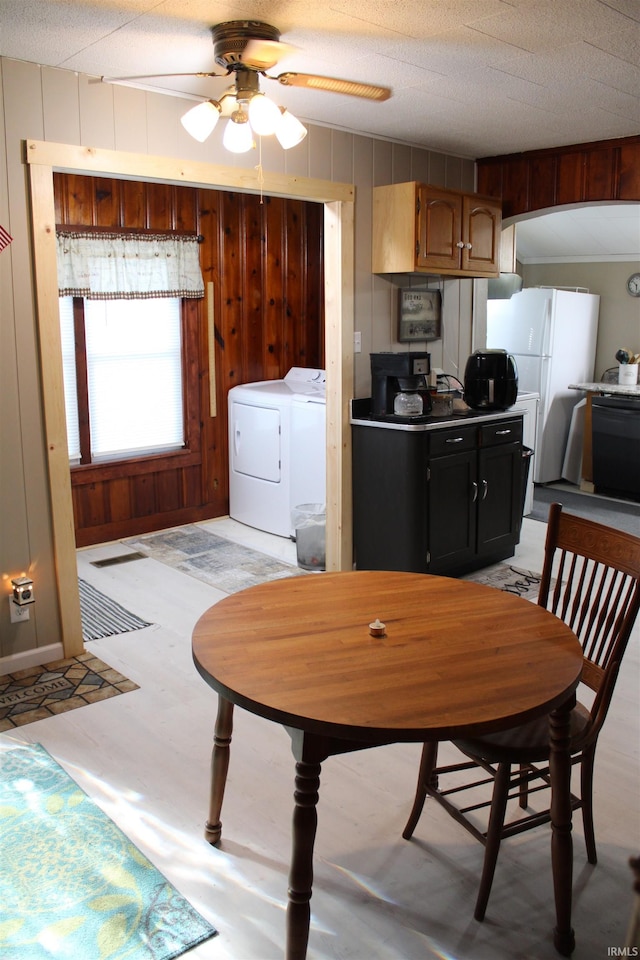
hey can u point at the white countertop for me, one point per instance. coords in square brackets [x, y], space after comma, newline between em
[615, 389]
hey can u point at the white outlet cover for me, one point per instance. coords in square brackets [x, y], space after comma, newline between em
[18, 613]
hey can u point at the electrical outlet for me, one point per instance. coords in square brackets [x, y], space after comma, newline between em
[18, 613]
[357, 342]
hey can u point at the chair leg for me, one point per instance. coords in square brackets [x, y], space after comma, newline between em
[586, 794]
[523, 789]
[427, 766]
[494, 836]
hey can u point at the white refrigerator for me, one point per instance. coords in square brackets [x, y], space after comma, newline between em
[552, 337]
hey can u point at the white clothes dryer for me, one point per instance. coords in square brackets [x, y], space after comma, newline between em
[277, 449]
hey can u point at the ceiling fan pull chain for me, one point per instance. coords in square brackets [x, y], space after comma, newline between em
[259, 170]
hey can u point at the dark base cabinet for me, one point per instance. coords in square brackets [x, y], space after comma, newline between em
[437, 500]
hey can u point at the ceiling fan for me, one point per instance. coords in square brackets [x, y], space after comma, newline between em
[246, 49]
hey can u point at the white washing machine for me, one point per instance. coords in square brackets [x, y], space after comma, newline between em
[277, 449]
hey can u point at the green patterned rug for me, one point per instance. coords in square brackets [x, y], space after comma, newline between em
[71, 883]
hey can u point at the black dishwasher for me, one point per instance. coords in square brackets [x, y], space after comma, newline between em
[616, 445]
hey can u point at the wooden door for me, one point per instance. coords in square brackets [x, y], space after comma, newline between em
[481, 224]
[500, 498]
[453, 493]
[439, 216]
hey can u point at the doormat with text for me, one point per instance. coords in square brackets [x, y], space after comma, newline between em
[52, 688]
[502, 576]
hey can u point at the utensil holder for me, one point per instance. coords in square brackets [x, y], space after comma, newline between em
[628, 373]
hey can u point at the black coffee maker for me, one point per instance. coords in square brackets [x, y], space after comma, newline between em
[400, 386]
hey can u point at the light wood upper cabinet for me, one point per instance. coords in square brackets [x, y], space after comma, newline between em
[418, 228]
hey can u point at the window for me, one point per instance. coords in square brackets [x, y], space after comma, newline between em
[122, 362]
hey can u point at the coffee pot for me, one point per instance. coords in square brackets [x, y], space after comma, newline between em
[408, 401]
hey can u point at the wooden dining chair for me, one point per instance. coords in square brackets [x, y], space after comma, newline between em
[591, 580]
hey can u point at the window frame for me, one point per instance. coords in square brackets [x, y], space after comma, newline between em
[187, 455]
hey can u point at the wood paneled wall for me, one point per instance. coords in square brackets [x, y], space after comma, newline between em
[582, 173]
[264, 258]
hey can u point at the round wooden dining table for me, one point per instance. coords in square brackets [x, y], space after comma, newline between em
[358, 659]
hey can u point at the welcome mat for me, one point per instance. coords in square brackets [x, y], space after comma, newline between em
[221, 563]
[72, 884]
[103, 617]
[502, 576]
[57, 687]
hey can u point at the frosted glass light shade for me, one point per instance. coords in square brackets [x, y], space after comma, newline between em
[201, 120]
[264, 115]
[238, 137]
[289, 131]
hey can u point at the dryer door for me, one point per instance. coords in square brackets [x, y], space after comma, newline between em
[255, 441]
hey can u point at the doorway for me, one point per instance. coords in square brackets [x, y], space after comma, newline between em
[42, 159]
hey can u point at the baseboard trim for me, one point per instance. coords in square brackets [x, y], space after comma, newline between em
[31, 658]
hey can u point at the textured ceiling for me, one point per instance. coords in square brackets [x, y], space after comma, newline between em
[599, 232]
[472, 78]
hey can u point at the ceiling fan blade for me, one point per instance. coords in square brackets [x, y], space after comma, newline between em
[265, 54]
[160, 76]
[334, 85]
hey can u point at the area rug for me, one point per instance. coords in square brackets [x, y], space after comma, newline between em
[57, 687]
[620, 515]
[503, 576]
[103, 617]
[228, 566]
[71, 883]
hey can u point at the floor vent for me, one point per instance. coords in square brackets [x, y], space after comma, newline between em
[123, 558]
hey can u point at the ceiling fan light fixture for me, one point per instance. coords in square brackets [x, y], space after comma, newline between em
[200, 121]
[238, 136]
[290, 132]
[264, 115]
[228, 102]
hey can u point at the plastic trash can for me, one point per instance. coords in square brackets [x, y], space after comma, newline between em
[309, 521]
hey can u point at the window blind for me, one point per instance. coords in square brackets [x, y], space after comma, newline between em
[134, 373]
[134, 377]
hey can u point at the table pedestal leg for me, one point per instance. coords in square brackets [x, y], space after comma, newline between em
[561, 841]
[305, 820]
[219, 768]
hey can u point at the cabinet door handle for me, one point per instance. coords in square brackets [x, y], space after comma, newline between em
[475, 491]
[460, 245]
[468, 246]
[502, 433]
[454, 440]
[485, 488]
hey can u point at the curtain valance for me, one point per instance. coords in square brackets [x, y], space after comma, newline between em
[114, 266]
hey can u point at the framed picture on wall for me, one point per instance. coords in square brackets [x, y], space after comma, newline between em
[419, 315]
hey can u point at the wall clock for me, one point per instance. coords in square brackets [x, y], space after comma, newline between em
[633, 285]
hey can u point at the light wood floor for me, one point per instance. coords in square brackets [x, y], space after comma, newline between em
[144, 757]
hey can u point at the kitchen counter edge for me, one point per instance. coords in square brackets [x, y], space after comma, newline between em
[615, 389]
[436, 422]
